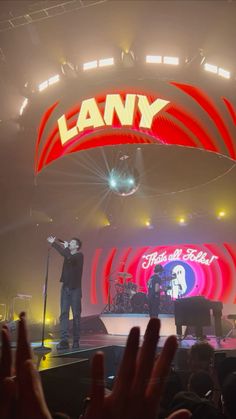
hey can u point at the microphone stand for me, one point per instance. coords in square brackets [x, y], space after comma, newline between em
[108, 305]
[42, 350]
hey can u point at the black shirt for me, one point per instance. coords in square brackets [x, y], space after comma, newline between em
[154, 286]
[72, 267]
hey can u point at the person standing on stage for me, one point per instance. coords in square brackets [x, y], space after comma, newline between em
[71, 291]
[154, 285]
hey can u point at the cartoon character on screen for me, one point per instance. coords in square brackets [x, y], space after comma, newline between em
[179, 285]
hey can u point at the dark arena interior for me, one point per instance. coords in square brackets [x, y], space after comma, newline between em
[118, 204]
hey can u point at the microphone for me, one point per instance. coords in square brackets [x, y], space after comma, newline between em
[61, 241]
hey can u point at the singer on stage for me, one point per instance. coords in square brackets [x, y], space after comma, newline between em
[71, 291]
[154, 288]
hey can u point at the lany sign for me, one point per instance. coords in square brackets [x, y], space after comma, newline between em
[134, 117]
[92, 116]
[187, 255]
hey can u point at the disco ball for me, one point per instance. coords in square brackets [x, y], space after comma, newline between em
[124, 181]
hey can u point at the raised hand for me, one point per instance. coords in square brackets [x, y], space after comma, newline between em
[22, 396]
[140, 381]
[51, 239]
[7, 384]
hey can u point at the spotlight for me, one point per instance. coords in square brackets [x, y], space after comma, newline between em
[128, 58]
[24, 104]
[211, 68]
[68, 69]
[221, 214]
[42, 86]
[90, 65]
[224, 73]
[182, 221]
[104, 62]
[154, 59]
[149, 225]
[171, 60]
[52, 80]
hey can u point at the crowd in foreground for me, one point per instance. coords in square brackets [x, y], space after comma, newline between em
[146, 387]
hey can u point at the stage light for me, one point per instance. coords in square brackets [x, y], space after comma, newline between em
[53, 79]
[154, 59]
[90, 65]
[68, 69]
[221, 214]
[104, 62]
[171, 60]
[148, 224]
[42, 86]
[224, 73]
[24, 104]
[107, 223]
[182, 221]
[211, 68]
[128, 58]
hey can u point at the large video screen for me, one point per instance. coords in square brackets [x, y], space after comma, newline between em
[207, 269]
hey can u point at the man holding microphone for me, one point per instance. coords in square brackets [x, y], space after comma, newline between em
[71, 292]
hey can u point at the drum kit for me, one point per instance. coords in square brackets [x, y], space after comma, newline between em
[129, 299]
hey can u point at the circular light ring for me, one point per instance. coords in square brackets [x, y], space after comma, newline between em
[215, 282]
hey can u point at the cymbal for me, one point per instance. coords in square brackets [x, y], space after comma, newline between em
[125, 275]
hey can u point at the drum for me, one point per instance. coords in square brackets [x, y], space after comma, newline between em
[119, 288]
[121, 303]
[131, 288]
[139, 303]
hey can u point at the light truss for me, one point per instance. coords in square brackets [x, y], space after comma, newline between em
[46, 13]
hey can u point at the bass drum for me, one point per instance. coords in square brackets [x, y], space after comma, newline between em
[139, 303]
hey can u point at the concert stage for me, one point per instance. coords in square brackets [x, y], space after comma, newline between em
[120, 324]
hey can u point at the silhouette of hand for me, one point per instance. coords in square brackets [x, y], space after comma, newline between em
[140, 381]
[21, 397]
[51, 239]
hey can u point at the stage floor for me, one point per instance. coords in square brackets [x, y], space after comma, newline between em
[90, 343]
[117, 327]
[102, 341]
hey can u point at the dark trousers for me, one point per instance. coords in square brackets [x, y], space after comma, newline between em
[70, 298]
[153, 304]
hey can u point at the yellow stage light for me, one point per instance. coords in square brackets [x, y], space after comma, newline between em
[221, 214]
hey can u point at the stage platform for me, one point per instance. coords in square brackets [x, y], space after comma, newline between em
[121, 323]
